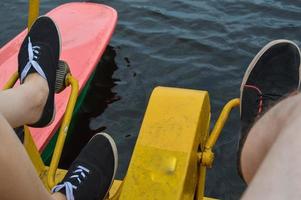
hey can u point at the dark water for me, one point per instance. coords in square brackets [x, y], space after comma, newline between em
[190, 44]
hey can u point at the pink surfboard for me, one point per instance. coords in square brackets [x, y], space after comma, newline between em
[86, 29]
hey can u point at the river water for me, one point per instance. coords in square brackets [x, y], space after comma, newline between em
[189, 44]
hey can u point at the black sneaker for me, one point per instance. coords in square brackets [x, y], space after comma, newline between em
[92, 173]
[39, 53]
[273, 74]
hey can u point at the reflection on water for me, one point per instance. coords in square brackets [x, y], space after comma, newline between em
[191, 44]
[99, 97]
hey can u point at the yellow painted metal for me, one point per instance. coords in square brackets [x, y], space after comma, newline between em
[51, 181]
[207, 156]
[11, 82]
[33, 153]
[165, 164]
[59, 175]
[36, 159]
[202, 169]
[219, 125]
[33, 11]
[115, 190]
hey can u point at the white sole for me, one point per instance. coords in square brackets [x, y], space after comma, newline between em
[258, 56]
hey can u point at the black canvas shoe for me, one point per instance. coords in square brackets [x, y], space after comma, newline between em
[39, 53]
[92, 173]
[273, 74]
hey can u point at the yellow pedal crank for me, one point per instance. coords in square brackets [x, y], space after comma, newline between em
[61, 74]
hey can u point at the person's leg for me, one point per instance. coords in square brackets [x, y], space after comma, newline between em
[21, 105]
[279, 175]
[273, 74]
[24, 104]
[265, 132]
[37, 66]
[18, 178]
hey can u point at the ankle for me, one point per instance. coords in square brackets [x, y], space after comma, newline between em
[37, 94]
[58, 196]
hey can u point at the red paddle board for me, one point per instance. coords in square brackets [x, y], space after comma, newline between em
[86, 29]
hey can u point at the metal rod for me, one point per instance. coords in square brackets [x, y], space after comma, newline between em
[33, 11]
[11, 82]
[63, 131]
[221, 122]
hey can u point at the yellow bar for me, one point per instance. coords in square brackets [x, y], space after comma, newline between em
[115, 190]
[219, 125]
[63, 130]
[33, 11]
[11, 82]
[33, 152]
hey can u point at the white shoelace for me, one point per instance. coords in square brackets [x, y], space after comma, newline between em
[32, 50]
[78, 173]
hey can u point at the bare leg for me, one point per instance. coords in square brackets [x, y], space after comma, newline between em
[24, 104]
[18, 106]
[277, 121]
[279, 175]
[18, 177]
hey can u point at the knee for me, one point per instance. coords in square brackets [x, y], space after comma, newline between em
[288, 109]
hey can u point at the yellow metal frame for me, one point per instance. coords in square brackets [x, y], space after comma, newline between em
[207, 156]
[11, 82]
[63, 130]
[33, 11]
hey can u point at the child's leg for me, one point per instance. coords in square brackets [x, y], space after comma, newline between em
[19, 179]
